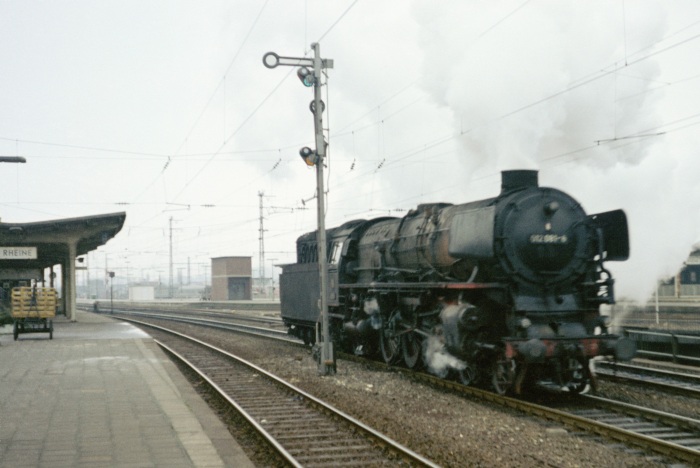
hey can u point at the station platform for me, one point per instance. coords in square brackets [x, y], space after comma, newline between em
[102, 393]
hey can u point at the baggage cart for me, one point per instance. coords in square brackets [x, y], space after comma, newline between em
[33, 309]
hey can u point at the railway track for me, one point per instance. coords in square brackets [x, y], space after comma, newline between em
[259, 317]
[224, 322]
[670, 381]
[669, 434]
[663, 433]
[304, 430]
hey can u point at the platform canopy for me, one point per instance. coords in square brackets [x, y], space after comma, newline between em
[52, 238]
[26, 247]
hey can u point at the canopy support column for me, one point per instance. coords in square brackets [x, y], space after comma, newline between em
[69, 289]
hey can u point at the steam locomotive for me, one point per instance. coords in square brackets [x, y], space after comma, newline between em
[503, 292]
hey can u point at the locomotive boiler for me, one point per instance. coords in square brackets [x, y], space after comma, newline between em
[502, 292]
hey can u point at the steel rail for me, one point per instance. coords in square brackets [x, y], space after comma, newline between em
[565, 418]
[225, 325]
[659, 445]
[373, 434]
[580, 422]
[214, 313]
[239, 409]
[675, 382]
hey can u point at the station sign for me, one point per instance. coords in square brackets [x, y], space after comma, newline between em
[18, 253]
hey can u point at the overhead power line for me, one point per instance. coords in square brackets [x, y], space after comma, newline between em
[83, 147]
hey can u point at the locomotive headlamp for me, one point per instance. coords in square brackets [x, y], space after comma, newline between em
[306, 77]
[525, 323]
[308, 155]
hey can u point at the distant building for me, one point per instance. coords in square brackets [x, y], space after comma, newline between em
[142, 293]
[232, 278]
[687, 281]
[690, 274]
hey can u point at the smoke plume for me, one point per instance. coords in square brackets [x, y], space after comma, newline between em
[572, 89]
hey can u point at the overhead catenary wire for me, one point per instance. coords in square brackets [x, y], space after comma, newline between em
[407, 156]
[213, 155]
[335, 23]
[404, 156]
[259, 106]
[213, 94]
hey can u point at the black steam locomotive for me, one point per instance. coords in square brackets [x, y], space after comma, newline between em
[504, 291]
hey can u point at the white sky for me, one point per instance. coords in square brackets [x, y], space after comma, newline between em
[158, 108]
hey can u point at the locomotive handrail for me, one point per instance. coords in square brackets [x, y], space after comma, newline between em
[645, 332]
[402, 270]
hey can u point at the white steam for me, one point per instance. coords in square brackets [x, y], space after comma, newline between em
[570, 88]
[438, 361]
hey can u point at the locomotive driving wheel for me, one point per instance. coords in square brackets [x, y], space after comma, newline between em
[390, 338]
[574, 375]
[411, 346]
[390, 344]
[468, 375]
[502, 374]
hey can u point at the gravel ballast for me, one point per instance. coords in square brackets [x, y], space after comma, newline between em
[451, 430]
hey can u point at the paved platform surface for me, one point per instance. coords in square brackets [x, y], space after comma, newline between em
[102, 393]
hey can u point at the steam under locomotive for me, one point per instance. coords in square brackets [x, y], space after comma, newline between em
[503, 292]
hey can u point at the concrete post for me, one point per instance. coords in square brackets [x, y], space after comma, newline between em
[69, 289]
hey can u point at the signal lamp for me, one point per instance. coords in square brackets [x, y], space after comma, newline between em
[306, 77]
[308, 155]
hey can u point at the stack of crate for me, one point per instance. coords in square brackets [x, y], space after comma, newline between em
[33, 302]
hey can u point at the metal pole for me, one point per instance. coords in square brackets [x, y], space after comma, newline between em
[326, 363]
[170, 282]
[106, 272]
[272, 278]
[261, 258]
[87, 274]
[657, 302]
[325, 366]
[111, 292]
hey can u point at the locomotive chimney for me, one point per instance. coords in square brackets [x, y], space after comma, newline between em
[518, 179]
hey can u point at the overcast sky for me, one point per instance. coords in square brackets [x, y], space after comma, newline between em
[163, 109]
